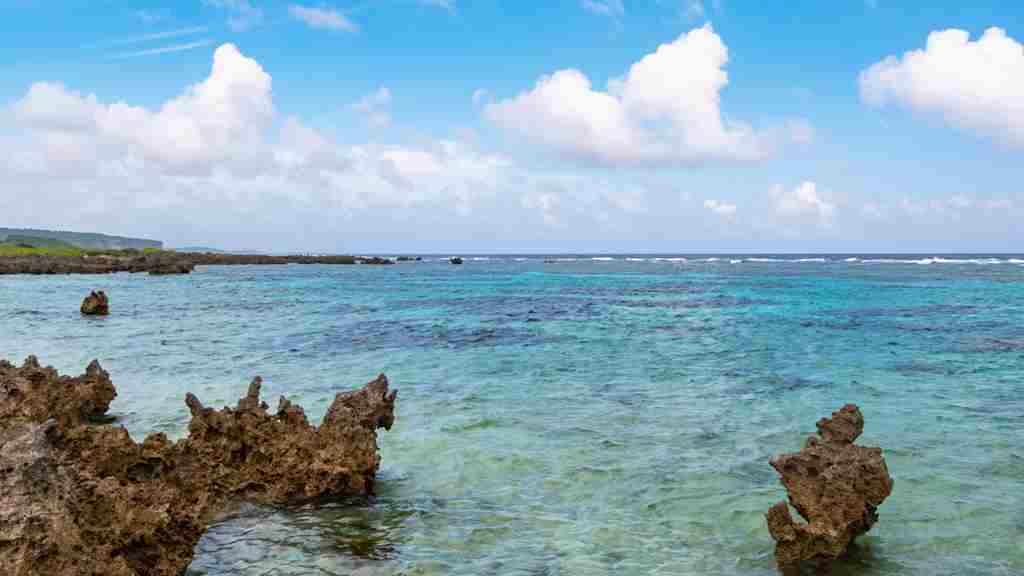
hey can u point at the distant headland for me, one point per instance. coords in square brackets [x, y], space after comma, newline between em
[26, 251]
[83, 240]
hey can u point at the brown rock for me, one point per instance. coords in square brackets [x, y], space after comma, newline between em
[161, 263]
[835, 485]
[86, 499]
[36, 394]
[96, 304]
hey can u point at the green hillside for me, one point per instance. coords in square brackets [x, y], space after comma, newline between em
[83, 240]
[37, 242]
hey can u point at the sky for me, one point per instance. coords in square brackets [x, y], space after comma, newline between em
[501, 126]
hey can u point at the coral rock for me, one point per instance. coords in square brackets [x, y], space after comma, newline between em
[835, 485]
[77, 498]
[96, 304]
[36, 394]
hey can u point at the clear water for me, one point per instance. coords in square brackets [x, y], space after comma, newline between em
[584, 417]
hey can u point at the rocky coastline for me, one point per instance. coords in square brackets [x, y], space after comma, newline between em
[79, 496]
[160, 263]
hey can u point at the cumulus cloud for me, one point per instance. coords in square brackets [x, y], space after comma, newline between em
[216, 120]
[721, 208]
[322, 17]
[803, 204]
[974, 85]
[664, 112]
[214, 157]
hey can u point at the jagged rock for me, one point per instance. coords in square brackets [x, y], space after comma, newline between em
[96, 304]
[85, 499]
[36, 394]
[835, 485]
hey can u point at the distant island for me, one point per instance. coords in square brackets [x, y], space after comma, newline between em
[82, 240]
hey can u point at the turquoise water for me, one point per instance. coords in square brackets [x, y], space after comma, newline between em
[584, 417]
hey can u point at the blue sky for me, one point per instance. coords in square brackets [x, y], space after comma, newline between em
[489, 126]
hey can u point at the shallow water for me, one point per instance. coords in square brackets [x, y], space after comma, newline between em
[584, 417]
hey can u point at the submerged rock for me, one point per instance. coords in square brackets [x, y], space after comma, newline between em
[835, 485]
[77, 498]
[96, 304]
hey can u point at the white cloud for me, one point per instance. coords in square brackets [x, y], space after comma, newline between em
[213, 121]
[568, 201]
[721, 208]
[545, 203]
[374, 106]
[873, 211]
[243, 14]
[803, 204]
[479, 95]
[975, 85]
[664, 112]
[164, 49]
[613, 8]
[162, 35]
[218, 158]
[322, 17]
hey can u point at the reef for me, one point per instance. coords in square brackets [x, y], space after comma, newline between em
[96, 304]
[159, 263]
[81, 497]
[835, 485]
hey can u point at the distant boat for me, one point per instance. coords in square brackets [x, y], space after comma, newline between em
[455, 260]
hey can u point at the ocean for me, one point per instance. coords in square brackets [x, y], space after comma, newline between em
[584, 415]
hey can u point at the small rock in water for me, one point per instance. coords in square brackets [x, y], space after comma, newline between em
[835, 485]
[96, 304]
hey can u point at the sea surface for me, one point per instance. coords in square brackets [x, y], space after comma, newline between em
[605, 415]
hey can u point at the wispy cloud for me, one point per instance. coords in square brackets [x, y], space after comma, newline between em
[162, 35]
[163, 49]
[149, 16]
[448, 5]
[243, 14]
[322, 17]
[694, 9]
[374, 106]
[613, 8]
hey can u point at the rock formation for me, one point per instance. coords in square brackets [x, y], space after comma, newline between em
[96, 304]
[160, 263]
[835, 485]
[81, 498]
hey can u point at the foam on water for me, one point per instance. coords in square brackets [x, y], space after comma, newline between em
[591, 417]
